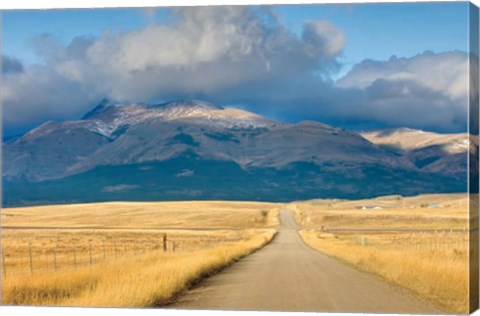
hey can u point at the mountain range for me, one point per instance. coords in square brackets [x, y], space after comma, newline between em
[191, 150]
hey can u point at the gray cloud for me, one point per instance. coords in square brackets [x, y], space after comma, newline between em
[428, 91]
[425, 91]
[241, 57]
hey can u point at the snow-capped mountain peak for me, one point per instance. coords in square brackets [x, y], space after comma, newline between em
[107, 117]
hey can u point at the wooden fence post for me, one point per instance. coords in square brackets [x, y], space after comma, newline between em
[173, 246]
[30, 255]
[164, 242]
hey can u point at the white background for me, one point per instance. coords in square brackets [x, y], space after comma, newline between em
[45, 4]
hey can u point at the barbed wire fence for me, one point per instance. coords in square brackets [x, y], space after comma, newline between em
[41, 259]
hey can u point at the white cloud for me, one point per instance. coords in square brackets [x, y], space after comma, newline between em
[445, 73]
[323, 39]
[200, 51]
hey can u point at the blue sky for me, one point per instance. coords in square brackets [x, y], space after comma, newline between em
[378, 31]
[331, 63]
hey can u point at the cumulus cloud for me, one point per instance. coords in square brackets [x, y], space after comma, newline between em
[443, 72]
[208, 50]
[426, 91]
[200, 52]
[237, 56]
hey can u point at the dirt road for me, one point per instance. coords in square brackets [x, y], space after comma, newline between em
[287, 275]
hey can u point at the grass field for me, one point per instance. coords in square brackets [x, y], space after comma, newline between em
[111, 254]
[428, 252]
[62, 248]
[201, 214]
[152, 279]
[432, 211]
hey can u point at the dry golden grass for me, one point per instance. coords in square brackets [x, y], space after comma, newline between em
[433, 211]
[196, 214]
[128, 266]
[63, 248]
[149, 280]
[415, 256]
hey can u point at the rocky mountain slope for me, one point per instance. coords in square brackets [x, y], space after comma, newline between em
[192, 149]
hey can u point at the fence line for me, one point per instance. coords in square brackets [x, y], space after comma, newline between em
[420, 241]
[43, 262]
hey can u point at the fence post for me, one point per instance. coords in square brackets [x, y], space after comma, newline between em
[3, 264]
[55, 259]
[74, 256]
[90, 250]
[30, 254]
[173, 246]
[115, 249]
[164, 242]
